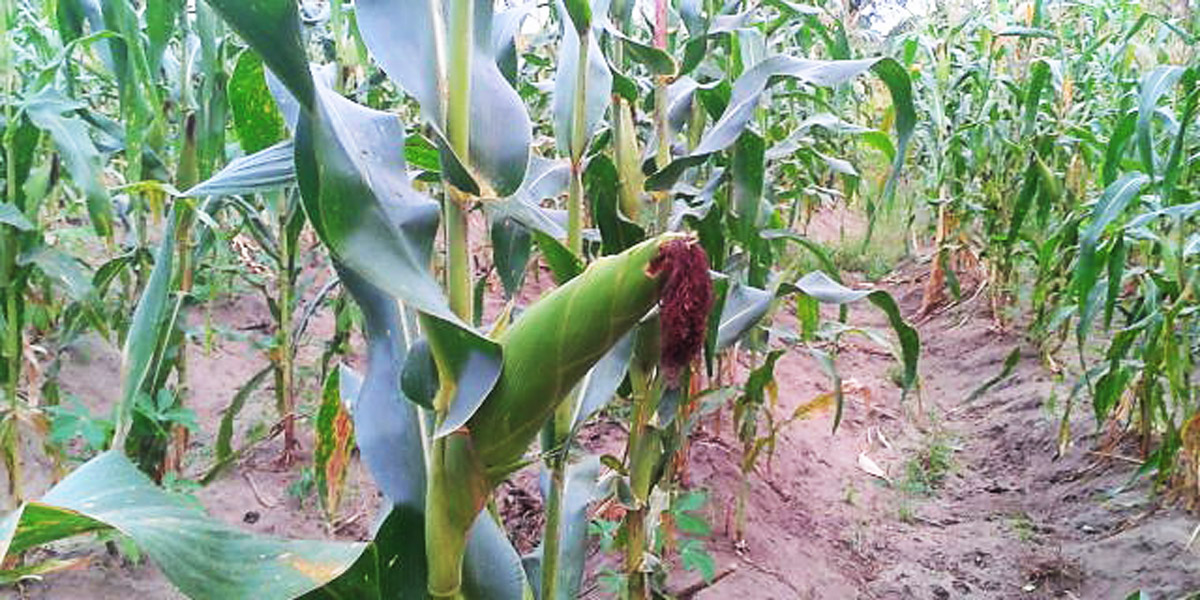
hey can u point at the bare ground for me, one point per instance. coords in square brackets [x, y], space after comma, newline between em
[1008, 521]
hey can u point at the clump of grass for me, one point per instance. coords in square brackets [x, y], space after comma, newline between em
[1022, 526]
[926, 472]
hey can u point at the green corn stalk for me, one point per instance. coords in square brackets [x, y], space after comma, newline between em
[559, 425]
[9, 248]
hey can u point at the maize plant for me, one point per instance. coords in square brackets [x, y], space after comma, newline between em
[1060, 157]
[444, 411]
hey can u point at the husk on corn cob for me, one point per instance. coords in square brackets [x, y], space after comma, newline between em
[545, 354]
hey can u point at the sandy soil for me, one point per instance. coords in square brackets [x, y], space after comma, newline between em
[1008, 521]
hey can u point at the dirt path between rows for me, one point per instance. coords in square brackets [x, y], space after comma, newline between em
[1007, 520]
[974, 505]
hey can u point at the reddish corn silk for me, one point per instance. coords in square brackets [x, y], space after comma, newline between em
[684, 302]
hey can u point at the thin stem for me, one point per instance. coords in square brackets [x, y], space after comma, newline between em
[8, 265]
[661, 125]
[287, 254]
[458, 121]
[553, 532]
[560, 440]
[635, 520]
[445, 540]
[578, 143]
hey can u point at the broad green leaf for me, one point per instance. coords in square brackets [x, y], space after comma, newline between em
[256, 120]
[359, 199]
[271, 168]
[744, 307]
[1029, 189]
[601, 184]
[656, 60]
[748, 89]
[580, 488]
[1106, 210]
[545, 179]
[205, 559]
[409, 42]
[597, 84]
[1156, 83]
[512, 245]
[564, 264]
[505, 28]
[61, 268]
[824, 289]
[579, 14]
[1114, 152]
[386, 425]
[388, 430]
[84, 163]
[601, 383]
[1039, 76]
[1191, 103]
[11, 215]
[419, 379]
[748, 170]
[137, 356]
[468, 359]
[161, 18]
[272, 28]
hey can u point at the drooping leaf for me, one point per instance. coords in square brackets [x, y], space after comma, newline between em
[205, 559]
[272, 28]
[597, 85]
[1106, 210]
[407, 40]
[49, 110]
[748, 89]
[362, 205]
[813, 247]
[744, 306]
[61, 268]
[269, 169]
[821, 287]
[224, 446]
[545, 179]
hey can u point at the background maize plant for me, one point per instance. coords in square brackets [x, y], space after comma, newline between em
[505, 246]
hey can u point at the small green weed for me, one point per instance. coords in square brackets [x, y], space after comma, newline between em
[925, 473]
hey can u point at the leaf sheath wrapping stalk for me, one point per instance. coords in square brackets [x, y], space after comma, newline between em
[554, 344]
